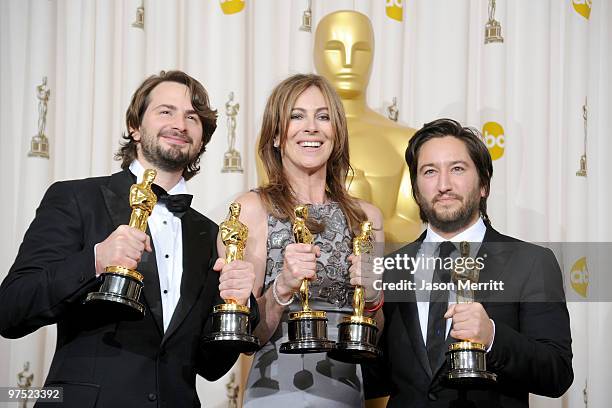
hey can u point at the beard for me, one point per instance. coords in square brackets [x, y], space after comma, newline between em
[447, 220]
[169, 159]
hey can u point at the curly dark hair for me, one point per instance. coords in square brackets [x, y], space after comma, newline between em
[140, 102]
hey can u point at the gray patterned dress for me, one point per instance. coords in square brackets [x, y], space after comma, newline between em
[308, 380]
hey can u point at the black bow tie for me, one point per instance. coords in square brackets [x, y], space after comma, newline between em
[176, 203]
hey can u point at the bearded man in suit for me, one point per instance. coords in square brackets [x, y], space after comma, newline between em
[523, 324]
[102, 360]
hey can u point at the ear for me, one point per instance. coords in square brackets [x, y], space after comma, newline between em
[483, 192]
[276, 142]
[135, 134]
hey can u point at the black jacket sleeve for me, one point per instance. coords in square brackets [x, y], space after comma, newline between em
[539, 356]
[53, 269]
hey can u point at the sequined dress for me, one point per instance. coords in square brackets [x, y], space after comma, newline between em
[308, 380]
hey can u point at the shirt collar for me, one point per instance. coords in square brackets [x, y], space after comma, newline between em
[137, 170]
[475, 233]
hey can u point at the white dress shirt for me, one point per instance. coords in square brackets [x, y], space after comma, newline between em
[473, 234]
[167, 234]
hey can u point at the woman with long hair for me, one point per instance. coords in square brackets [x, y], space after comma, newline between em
[304, 149]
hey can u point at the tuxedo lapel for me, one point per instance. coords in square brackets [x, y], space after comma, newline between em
[196, 240]
[410, 316]
[151, 290]
[409, 311]
[116, 197]
[496, 250]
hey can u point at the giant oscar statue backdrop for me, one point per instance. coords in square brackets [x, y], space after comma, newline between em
[343, 53]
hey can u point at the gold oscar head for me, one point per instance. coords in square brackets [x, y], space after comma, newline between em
[343, 54]
[149, 176]
[234, 210]
[343, 51]
[301, 212]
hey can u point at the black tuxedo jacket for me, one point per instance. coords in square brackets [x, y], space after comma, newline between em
[531, 351]
[100, 360]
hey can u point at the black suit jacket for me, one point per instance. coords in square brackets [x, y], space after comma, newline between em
[531, 351]
[100, 360]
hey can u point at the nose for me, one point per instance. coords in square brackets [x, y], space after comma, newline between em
[444, 182]
[311, 125]
[348, 56]
[179, 123]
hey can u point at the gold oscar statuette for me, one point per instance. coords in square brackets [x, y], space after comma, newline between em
[307, 18]
[231, 324]
[140, 16]
[232, 161]
[39, 145]
[25, 379]
[233, 388]
[582, 171]
[393, 110]
[121, 286]
[493, 33]
[307, 327]
[466, 359]
[357, 333]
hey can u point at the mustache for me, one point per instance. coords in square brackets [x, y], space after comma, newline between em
[175, 134]
[438, 197]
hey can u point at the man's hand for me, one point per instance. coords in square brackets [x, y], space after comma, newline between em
[236, 280]
[470, 322]
[123, 247]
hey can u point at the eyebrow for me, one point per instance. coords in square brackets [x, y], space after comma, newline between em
[163, 105]
[316, 110]
[454, 162]
[174, 108]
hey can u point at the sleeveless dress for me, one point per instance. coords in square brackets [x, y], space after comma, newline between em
[308, 380]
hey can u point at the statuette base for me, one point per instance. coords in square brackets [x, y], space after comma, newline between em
[121, 293]
[467, 366]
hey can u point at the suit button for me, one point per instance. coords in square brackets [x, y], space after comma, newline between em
[152, 396]
[432, 396]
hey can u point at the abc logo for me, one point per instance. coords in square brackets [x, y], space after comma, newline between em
[493, 136]
[583, 7]
[231, 6]
[579, 277]
[394, 9]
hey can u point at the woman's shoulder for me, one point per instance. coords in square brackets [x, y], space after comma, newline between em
[252, 206]
[372, 212]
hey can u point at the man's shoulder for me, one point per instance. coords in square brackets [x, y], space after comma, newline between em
[79, 187]
[520, 247]
[198, 216]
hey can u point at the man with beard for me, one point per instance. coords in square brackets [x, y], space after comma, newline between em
[524, 328]
[102, 359]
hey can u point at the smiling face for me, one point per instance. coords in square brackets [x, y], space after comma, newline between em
[448, 186]
[310, 136]
[170, 133]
